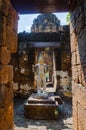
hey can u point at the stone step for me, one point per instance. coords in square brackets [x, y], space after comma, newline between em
[41, 111]
[39, 104]
[40, 101]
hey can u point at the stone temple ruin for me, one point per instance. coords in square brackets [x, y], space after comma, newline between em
[14, 58]
[53, 42]
[46, 23]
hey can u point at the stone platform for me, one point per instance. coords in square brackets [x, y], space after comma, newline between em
[41, 108]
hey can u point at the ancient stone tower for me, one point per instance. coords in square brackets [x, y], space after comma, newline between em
[46, 23]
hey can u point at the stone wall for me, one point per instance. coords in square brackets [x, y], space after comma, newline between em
[8, 45]
[64, 83]
[78, 50]
[23, 75]
[63, 65]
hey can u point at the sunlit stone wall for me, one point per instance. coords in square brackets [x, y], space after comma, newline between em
[78, 50]
[8, 45]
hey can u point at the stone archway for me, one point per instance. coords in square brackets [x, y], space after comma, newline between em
[8, 44]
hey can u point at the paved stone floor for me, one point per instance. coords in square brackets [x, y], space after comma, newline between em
[64, 122]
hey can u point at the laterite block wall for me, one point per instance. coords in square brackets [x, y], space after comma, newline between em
[8, 45]
[78, 50]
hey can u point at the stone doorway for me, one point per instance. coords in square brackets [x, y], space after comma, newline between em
[41, 51]
[8, 76]
[47, 55]
[9, 35]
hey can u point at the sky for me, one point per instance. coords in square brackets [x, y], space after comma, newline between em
[25, 21]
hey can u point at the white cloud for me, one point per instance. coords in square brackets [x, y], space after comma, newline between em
[28, 28]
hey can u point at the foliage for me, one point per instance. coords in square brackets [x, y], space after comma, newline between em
[68, 18]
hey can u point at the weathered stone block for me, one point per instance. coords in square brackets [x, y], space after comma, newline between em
[80, 73]
[75, 75]
[80, 94]
[2, 19]
[84, 75]
[5, 55]
[12, 19]
[15, 20]
[73, 20]
[83, 79]
[2, 95]
[6, 96]
[0, 3]
[2, 30]
[81, 121]
[78, 58]
[74, 58]
[79, 98]
[82, 40]
[71, 29]
[11, 40]
[79, 106]
[78, 11]
[80, 23]
[18, 77]
[9, 17]
[6, 117]
[75, 121]
[6, 74]
[10, 73]
[85, 10]
[73, 42]
[8, 91]
[5, 7]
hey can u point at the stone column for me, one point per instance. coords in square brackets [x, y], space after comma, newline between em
[8, 45]
[78, 50]
[36, 61]
[54, 71]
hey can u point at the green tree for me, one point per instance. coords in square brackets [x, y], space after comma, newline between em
[68, 18]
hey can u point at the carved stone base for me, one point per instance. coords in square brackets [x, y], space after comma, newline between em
[41, 108]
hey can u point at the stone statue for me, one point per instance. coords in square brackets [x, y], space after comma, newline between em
[40, 69]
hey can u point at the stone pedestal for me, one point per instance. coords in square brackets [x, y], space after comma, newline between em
[41, 108]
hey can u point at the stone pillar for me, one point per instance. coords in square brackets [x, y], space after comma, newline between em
[36, 61]
[8, 45]
[54, 71]
[78, 50]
